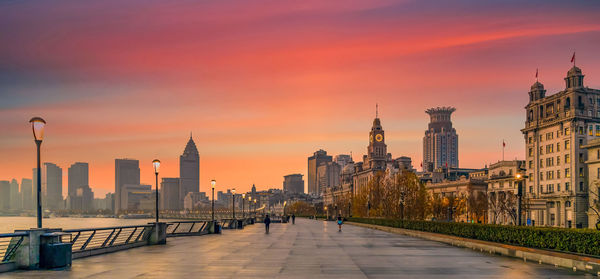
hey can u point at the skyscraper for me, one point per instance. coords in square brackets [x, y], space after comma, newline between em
[15, 195]
[189, 171]
[52, 186]
[440, 143]
[293, 183]
[78, 174]
[4, 195]
[319, 157]
[27, 194]
[127, 172]
[169, 194]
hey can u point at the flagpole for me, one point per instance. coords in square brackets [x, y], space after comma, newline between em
[503, 145]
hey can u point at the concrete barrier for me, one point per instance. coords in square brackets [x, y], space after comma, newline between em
[567, 260]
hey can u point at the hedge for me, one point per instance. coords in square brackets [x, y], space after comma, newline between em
[581, 241]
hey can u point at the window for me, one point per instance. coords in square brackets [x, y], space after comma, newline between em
[558, 160]
[567, 132]
[598, 154]
[567, 159]
[567, 186]
[531, 164]
[568, 204]
[530, 189]
[581, 186]
[567, 144]
[598, 173]
[598, 130]
[580, 172]
[557, 146]
[541, 150]
[541, 163]
[530, 152]
[580, 142]
[540, 138]
[530, 140]
[552, 218]
[581, 130]
[557, 187]
[567, 172]
[581, 159]
[541, 176]
[531, 177]
[591, 130]
[549, 148]
[558, 174]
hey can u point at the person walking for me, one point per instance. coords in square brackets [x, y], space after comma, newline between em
[339, 222]
[293, 219]
[267, 223]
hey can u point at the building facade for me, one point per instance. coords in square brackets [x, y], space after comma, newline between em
[376, 159]
[27, 194]
[189, 171]
[502, 191]
[328, 176]
[593, 170]
[318, 158]
[15, 196]
[556, 128]
[293, 184]
[78, 174]
[127, 171]
[440, 143]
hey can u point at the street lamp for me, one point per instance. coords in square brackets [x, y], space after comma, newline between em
[37, 125]
[327, 213]
[233, 202]
[243, 200]
[519, 178]
[284, 203]
[254, 207]
[212, 211]
[156, 164]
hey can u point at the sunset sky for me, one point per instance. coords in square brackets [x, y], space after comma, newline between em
[263, 84]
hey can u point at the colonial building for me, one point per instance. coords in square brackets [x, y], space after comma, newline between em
[593, 169]
[376, 158]
[502, 191]
[440, 143]
[463, 187]
[556, 128]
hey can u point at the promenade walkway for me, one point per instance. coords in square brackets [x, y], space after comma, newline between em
[309, 249]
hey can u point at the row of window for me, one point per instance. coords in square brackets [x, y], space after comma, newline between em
[550, 174]
[549, 188]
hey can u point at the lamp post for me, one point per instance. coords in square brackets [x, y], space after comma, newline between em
[243, 200]
[156, 164]
[519, 178]
[254, 207]
[249, 204]
[37, 125]
[284, 203]
[326, 213]
[212, 208]
[233, 202]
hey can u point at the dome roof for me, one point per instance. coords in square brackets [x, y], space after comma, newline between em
[537, 86]
[575, 71]
[190, 147]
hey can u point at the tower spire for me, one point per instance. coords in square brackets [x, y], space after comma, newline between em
[376, 110]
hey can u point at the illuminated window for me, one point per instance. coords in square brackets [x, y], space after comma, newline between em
[567, 132]
[567, 174]
[591, 130]
[567, 144]
[567, 158]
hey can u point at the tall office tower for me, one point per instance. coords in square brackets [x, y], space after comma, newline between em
[328, 175]
[557, 128]
[319, 157]
[78, 177]
[440, 143]
[27, 194]
[15, 196]
[127, 171]
[4, 195]
[293, 184]
[52, 186]
[169, 194]
[189, 171]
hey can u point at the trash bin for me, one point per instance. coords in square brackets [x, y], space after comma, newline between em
[53, 252]
[217, 228]
[240, 224]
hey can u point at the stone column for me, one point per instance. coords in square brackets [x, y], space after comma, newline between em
[158, 235]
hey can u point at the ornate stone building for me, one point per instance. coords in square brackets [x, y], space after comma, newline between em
[502, 191]
[556, 128]
[440, 143]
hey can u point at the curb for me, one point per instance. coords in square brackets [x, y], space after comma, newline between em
[557, 259]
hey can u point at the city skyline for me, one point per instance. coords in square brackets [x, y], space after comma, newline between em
[264, 117]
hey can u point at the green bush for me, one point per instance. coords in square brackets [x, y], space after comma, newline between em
[581, 241]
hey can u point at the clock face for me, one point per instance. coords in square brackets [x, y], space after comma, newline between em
[379, 137]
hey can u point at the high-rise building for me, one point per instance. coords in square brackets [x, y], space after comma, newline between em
[169, 194]
[82, 200]
[4, 195]
[52, 186]
[136, 197]
[556, 129]
[127, 171]
[440, 143]
[189, 171]
[342, 159]
[293, 184]
[27, 194]
[328, 175]
[15, 196]
[78, 174]
[319, 157]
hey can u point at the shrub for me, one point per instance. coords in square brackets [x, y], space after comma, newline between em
[581, 241]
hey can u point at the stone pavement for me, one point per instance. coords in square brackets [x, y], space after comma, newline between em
[309, 249]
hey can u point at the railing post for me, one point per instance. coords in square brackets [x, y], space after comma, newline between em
[158, 233]
[27, 255]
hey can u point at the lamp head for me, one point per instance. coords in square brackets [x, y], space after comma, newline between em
[213, 183]
[37, 125]
[156, 164]
[233, 191]
[243, 195]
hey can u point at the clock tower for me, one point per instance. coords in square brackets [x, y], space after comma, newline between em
[377, 149]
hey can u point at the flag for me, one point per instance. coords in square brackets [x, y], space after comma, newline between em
[503, 143]
[573, 58]
[421, 164]
[536, 73]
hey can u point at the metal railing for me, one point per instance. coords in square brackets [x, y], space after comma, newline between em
[9, 243]
[186, 228]
[107, 239]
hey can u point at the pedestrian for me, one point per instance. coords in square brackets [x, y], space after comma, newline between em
[267, 223]
[339, 222]
[293, 218]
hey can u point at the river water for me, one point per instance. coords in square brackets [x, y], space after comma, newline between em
[10, 224]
